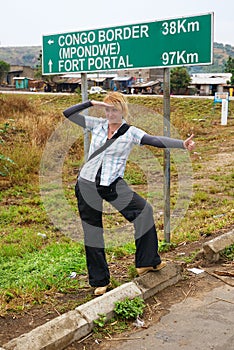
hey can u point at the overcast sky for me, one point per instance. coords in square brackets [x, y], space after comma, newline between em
[24, 22]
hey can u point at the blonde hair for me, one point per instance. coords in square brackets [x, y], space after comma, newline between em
[119, 101]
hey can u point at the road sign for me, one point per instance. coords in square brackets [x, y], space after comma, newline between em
[220, 96]
[176, 42]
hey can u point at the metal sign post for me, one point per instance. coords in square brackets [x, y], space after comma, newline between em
[224, 114]
[166, 164]
[223, 98]
[84, 93]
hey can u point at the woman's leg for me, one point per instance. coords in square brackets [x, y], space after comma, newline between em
[90, 209]
[138, 211]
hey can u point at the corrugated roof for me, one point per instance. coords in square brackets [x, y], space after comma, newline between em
[62, 80]
[208, 81]
[91, 75]
[148, 84]
[122, 78]
[73, 81]
[210, 78]
[21, 78]
[151, 83]
[98, 80]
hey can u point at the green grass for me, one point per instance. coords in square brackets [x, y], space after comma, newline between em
[43, 269]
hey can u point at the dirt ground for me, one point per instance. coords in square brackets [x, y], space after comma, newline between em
[15, 324]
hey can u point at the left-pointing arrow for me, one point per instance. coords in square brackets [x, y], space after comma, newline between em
[50, 64]
[50, 42]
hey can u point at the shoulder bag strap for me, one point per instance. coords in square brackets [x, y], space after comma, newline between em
[109, 142]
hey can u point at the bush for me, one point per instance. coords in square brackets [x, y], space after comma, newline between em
[128, 309]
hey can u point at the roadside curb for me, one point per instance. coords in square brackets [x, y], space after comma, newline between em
[58, 333]
[212, 248]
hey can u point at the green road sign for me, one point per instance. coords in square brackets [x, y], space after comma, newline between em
[182, 41]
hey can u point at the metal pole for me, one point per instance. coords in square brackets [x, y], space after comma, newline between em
[167, 170]
[84, 93]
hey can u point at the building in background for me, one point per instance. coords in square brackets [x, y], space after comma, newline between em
[207, 84]
[141, 81]
[19, 72]
[21, 83]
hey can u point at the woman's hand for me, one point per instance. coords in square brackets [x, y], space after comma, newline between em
[100, 103]
[189, 144]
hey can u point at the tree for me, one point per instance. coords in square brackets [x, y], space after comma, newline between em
[4, 69]
[229, 68]
[38, 73]
[180, 80]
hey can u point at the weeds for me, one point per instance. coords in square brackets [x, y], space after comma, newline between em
[101, 321]
[228, 253]
[132, 272]
[129, 308]
[4, 160]
[166, 247]
[107, 328]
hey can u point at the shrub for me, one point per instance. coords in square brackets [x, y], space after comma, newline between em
[128, 309]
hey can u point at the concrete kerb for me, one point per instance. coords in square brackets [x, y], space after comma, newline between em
[154, 282]
[213, 248]
[105, 304]
[53, 335]
[74, 325]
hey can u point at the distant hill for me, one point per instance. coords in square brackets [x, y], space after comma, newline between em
[20, 55]
[28, 56]
[221, 54]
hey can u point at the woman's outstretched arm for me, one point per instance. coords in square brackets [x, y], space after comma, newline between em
[167, 142]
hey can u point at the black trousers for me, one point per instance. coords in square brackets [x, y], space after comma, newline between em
[134, 208]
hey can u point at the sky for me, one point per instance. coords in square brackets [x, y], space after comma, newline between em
[24, 22]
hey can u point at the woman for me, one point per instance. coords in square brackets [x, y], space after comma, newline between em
[102, 178]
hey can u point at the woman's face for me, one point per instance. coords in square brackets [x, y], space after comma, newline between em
[113, 115]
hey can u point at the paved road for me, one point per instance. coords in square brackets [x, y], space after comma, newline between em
[193, 324]
[68, 93]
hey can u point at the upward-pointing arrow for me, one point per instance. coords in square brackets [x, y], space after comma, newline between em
[50, 64]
